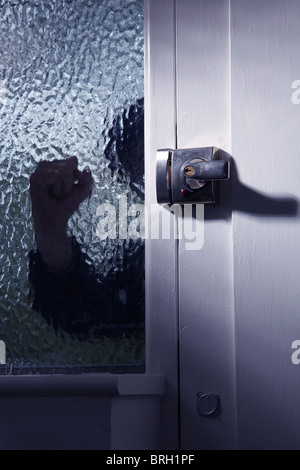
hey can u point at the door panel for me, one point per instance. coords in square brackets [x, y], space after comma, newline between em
[205, 276]
[265, 147]
[238, 295]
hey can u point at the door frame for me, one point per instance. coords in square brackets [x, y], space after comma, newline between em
[162, 338]
[191, 330]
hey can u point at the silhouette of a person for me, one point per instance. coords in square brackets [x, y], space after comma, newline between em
[66, 288]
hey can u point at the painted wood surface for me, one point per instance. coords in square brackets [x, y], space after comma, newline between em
[161, 264]
[207, 348]
[55, 423]
[266, 231]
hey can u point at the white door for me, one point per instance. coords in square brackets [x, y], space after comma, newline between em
[224, 73]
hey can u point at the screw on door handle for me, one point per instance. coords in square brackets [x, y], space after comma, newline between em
[190, 175]
[208, 404]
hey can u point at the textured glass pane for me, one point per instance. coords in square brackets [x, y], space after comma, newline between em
[71, 84]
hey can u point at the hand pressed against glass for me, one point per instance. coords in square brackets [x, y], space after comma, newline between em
[57, 188]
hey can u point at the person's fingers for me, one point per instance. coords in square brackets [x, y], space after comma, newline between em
[72, 163]
[54, 183]
[82, 190]
[56, 177]
[84, 186]
[61, 179]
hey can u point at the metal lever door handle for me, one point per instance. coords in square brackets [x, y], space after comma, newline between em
[190, 175]
[207, 171]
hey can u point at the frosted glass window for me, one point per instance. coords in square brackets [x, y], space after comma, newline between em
[71, 84]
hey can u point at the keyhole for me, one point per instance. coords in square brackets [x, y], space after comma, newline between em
[189, 170]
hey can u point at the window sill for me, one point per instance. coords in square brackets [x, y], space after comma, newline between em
[60, 385]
